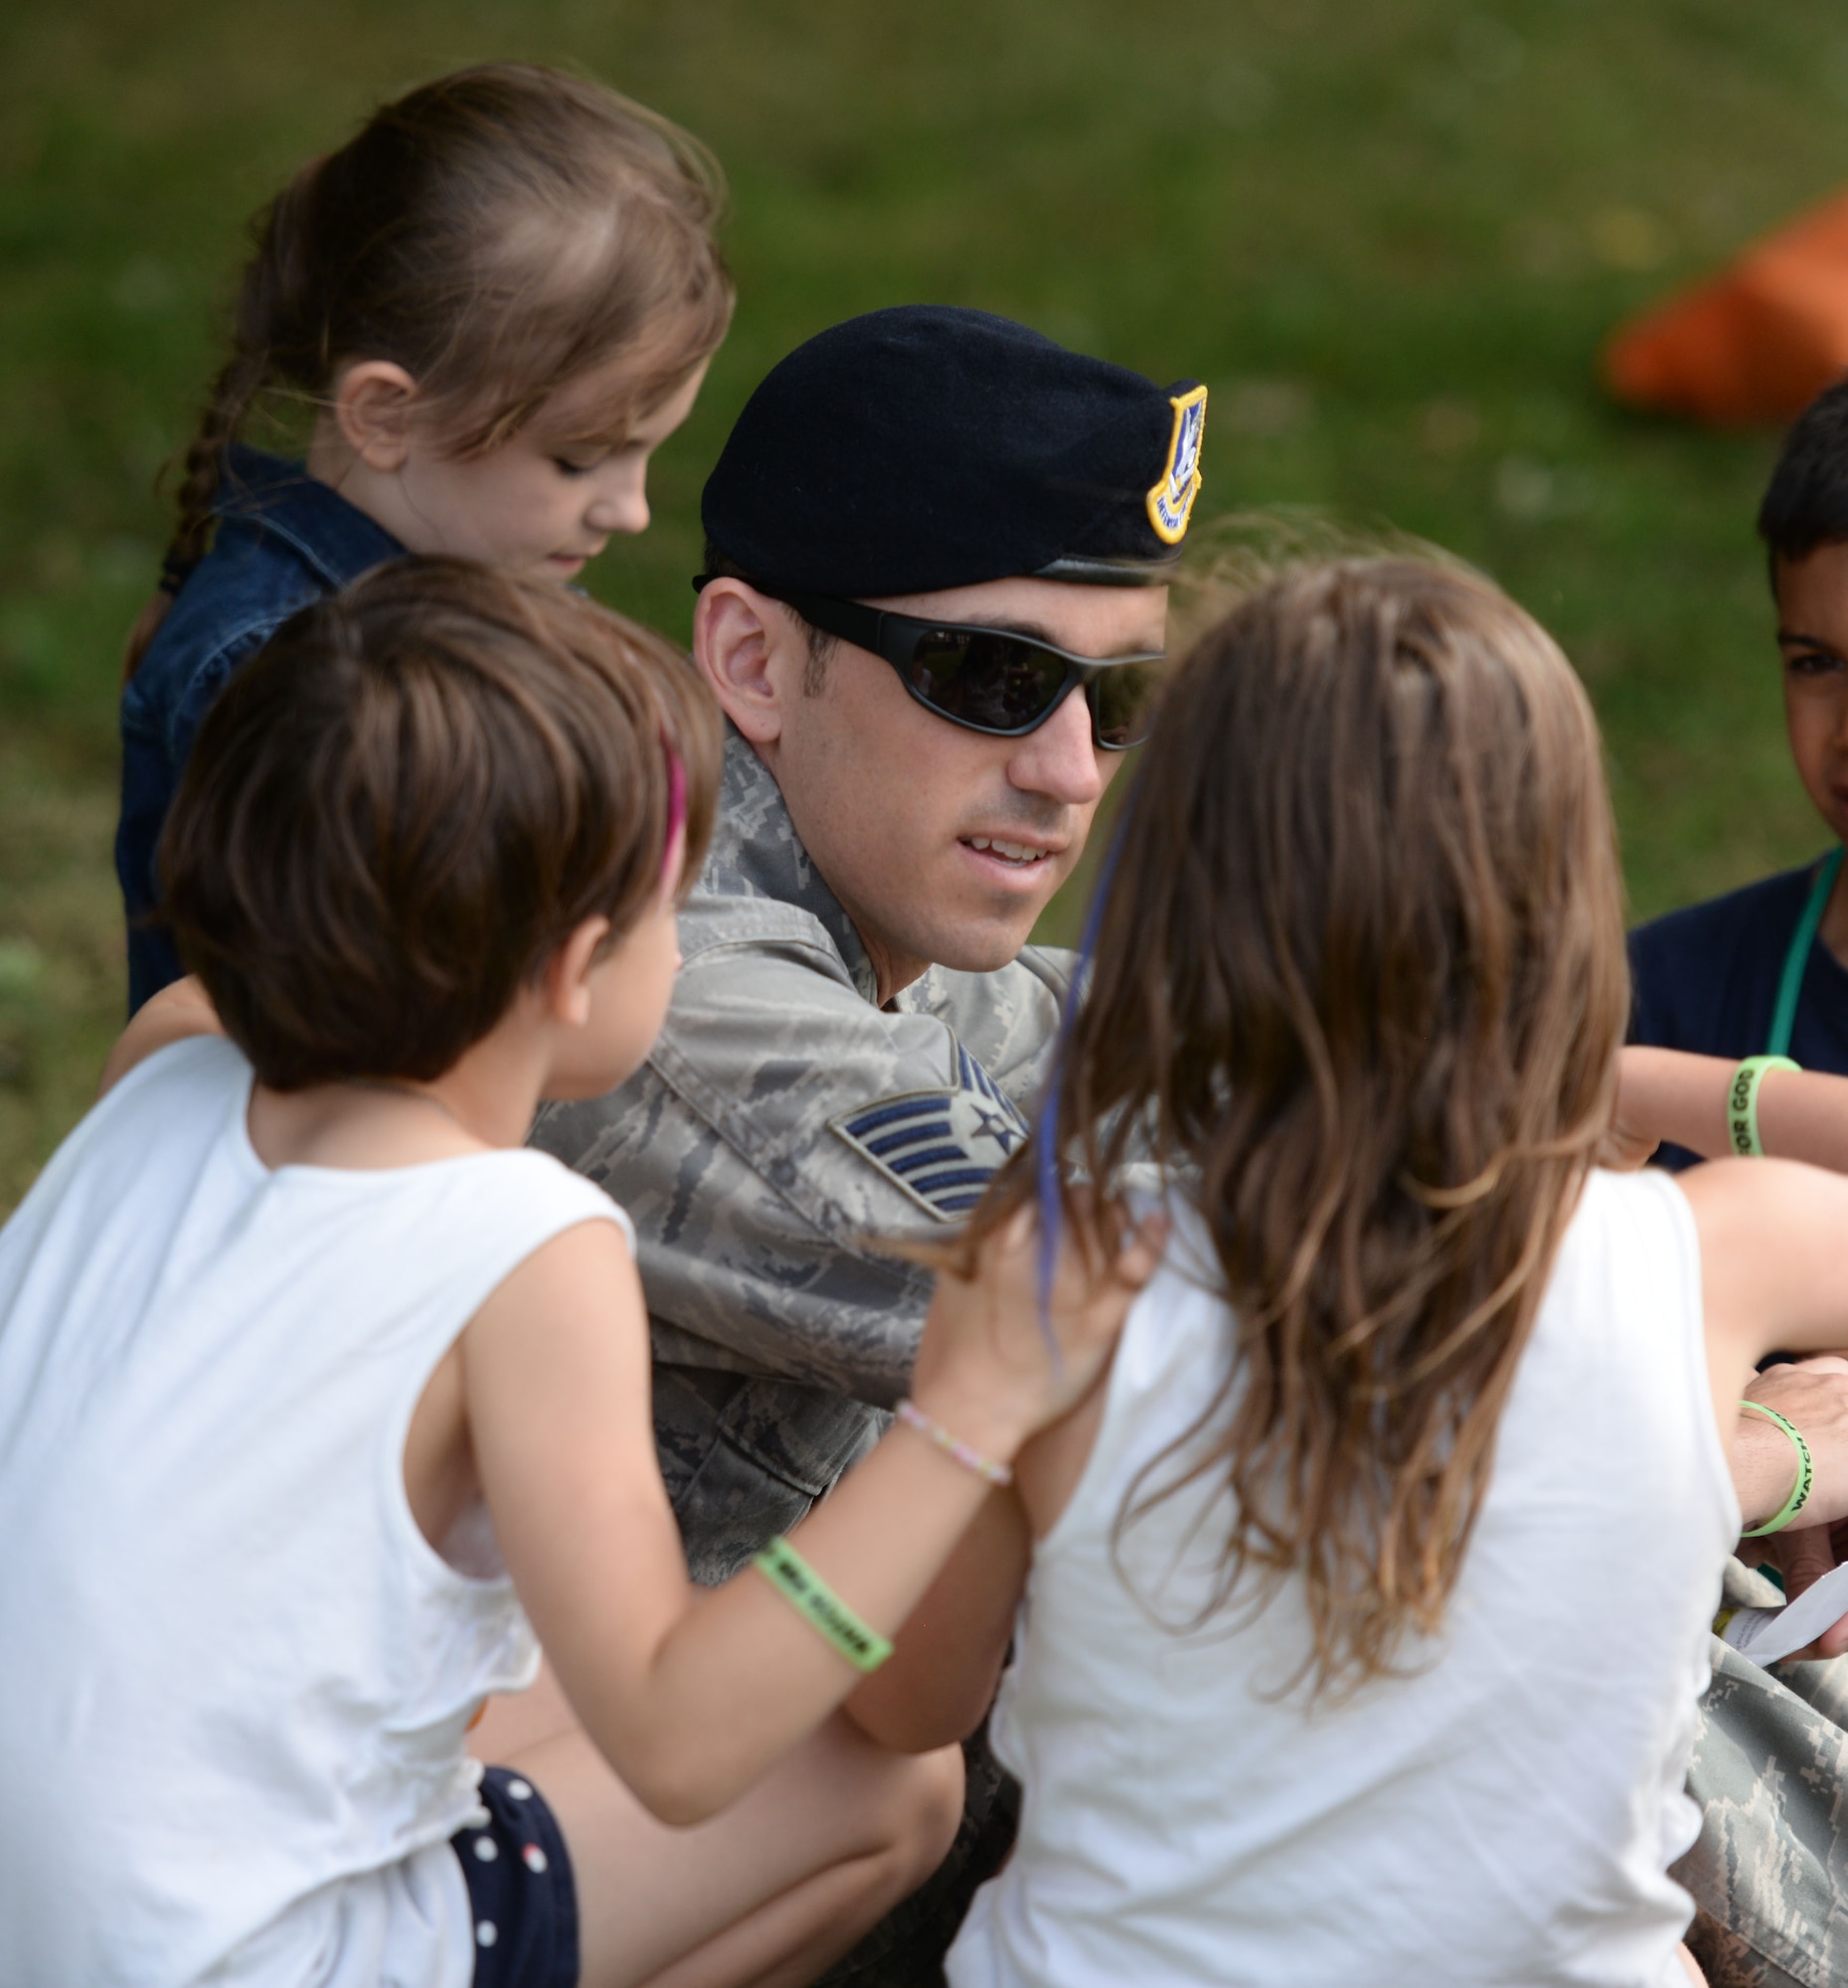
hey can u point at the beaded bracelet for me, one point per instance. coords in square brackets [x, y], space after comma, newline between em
[816, 1602]
[1805, 1475]
[913, 1417]
[1742, 1102]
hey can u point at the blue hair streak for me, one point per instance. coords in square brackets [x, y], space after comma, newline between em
[1046, 1131]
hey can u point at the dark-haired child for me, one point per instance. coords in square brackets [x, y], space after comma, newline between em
[319, 1393]
[1764, 970]
[497, 299]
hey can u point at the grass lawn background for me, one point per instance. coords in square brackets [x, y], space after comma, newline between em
[1389, 234]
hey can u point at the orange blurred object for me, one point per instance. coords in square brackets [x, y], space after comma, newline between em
[1757, 343]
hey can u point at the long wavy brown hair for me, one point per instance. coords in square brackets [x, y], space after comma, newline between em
[1359, 984]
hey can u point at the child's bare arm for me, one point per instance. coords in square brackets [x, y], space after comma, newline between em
[1773, 1273]
[1774, 1277]
[1812, 1394]
[176, 1012]
[943, 1676]
[1669, 1095]
[691, 1705]
[948, 1658]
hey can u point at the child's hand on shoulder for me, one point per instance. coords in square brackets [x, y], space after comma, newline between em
[986, 1368]
[1631, 1136]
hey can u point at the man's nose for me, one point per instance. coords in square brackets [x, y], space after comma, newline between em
[1058, 760]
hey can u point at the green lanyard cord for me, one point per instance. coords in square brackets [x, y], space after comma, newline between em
[1784, 1015]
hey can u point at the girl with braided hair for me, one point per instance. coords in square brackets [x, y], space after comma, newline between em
[494, 301]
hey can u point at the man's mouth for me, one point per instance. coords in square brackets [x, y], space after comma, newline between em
[1024, 855]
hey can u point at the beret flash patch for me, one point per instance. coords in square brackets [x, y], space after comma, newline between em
[1171, 501]
[941, 1147]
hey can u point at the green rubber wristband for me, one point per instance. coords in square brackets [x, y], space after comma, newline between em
[816, 1602]
[1806, 1474]
[1742, 1102]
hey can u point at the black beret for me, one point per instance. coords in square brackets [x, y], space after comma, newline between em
[927, 447]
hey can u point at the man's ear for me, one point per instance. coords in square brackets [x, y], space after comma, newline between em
[566, 977]
[372, 401]
[739, 642]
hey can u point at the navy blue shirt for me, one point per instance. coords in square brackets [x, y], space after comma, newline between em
[282, 541]
[1706, 979]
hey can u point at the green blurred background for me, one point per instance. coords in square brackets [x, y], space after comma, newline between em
[1389, 234]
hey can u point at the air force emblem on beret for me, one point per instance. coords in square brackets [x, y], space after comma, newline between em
[941, 1147]
[1171, 501]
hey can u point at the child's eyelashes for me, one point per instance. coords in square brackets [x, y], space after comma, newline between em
[583, 461]
[1812, 662]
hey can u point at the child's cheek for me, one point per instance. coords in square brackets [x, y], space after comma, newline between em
[1817, 715]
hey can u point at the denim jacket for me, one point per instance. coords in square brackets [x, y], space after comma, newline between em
[282, 541]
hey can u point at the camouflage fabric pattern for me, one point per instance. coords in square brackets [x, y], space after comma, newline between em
[1769, 1871]
[781, 1333]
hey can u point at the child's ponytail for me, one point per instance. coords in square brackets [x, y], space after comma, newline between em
[496, 232]
[266, 303]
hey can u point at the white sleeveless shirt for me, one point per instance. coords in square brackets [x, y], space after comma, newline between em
[233, 1677]
[1507, 1813]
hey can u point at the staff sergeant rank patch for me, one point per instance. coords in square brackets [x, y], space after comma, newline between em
[1171, 501]
[940, 1146]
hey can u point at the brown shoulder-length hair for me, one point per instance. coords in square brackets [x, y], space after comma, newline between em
[498, 233]
[403, 806]
[1360, 981]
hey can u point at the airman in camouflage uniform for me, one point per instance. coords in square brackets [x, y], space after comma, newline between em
[782, 1122]
[825, 1078]
[798, 1104]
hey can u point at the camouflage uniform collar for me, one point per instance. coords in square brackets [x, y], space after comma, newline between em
[755, 852]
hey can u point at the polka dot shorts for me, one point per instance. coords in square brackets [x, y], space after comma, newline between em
[520, 1890]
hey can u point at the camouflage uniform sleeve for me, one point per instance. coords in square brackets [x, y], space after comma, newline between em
[781, 1126]
[1768, 1874]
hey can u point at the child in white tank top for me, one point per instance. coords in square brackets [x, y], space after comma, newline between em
[320, 1394]
[1297, 1697]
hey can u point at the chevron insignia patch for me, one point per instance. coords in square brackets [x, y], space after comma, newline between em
[941, 1147]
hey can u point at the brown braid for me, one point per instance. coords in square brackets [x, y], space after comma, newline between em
[227, 403]
[496, 232]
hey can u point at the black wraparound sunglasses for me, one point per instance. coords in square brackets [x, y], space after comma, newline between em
[992, 680]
